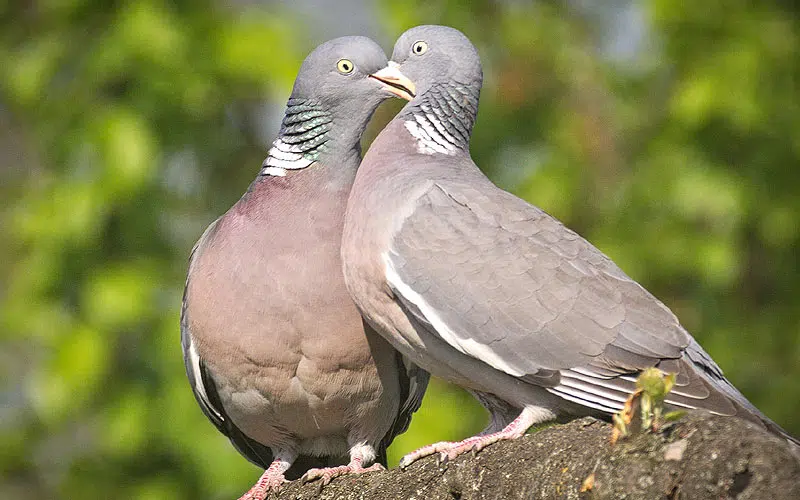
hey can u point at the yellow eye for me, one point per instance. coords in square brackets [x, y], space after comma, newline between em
[419, 48]
[345, 66]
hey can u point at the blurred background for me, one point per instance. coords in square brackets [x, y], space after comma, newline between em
[666, 132]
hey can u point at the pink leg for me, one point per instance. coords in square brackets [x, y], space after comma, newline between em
[449, 450]
[358, 455]
[271, 480]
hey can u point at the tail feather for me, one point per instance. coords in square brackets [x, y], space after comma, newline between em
[712, 375]
[605, 385]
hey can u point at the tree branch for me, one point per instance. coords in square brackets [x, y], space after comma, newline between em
[700, 456]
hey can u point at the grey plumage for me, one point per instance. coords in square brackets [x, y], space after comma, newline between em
[485, 290]
[276, 352]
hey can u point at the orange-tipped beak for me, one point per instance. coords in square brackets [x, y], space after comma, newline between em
[396, 82]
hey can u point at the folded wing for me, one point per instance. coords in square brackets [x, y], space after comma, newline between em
[502, 281]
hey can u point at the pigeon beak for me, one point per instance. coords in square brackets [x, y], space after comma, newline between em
[395, 82]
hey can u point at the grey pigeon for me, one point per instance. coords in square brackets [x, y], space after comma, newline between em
[276, 352]
[489, 292]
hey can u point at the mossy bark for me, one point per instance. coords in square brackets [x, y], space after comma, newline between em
[700, 456]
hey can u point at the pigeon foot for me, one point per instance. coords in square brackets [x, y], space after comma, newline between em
[448, 450]
[329, 473]
[271, 480]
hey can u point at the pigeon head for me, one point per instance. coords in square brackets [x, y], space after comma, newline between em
[438, 69]
[336, 75]
[332, 100]
[430, 56]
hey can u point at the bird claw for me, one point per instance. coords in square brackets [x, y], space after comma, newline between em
[268, 483]
[431, 449]
[448, 451]
[328, 474]
[478, 447]
[324, 475]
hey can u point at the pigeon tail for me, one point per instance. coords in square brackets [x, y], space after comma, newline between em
[713, 376]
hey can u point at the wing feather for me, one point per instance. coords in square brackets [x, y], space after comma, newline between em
[413, 383]
[500, 280]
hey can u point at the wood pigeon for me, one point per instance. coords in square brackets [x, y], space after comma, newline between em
[491, 293]
[276, 352]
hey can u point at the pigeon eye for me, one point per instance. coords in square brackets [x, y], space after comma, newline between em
[419, 48]
[345, 66]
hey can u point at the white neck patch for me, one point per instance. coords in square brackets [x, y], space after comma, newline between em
[283, 157]
[425, 133]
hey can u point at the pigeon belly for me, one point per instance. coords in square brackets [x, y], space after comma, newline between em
[293, 366]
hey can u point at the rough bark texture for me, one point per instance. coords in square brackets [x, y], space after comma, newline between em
[700, 456]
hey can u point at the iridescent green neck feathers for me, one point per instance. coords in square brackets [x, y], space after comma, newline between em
[303, 137]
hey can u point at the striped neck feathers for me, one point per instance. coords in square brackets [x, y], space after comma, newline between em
[441, 120]
[302, 139]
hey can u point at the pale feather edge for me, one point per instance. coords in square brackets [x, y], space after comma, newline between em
[197, 375]
[465, 346]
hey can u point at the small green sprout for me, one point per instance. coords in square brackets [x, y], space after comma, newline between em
[652, 388]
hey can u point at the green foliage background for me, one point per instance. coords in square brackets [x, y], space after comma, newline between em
[666, 132]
